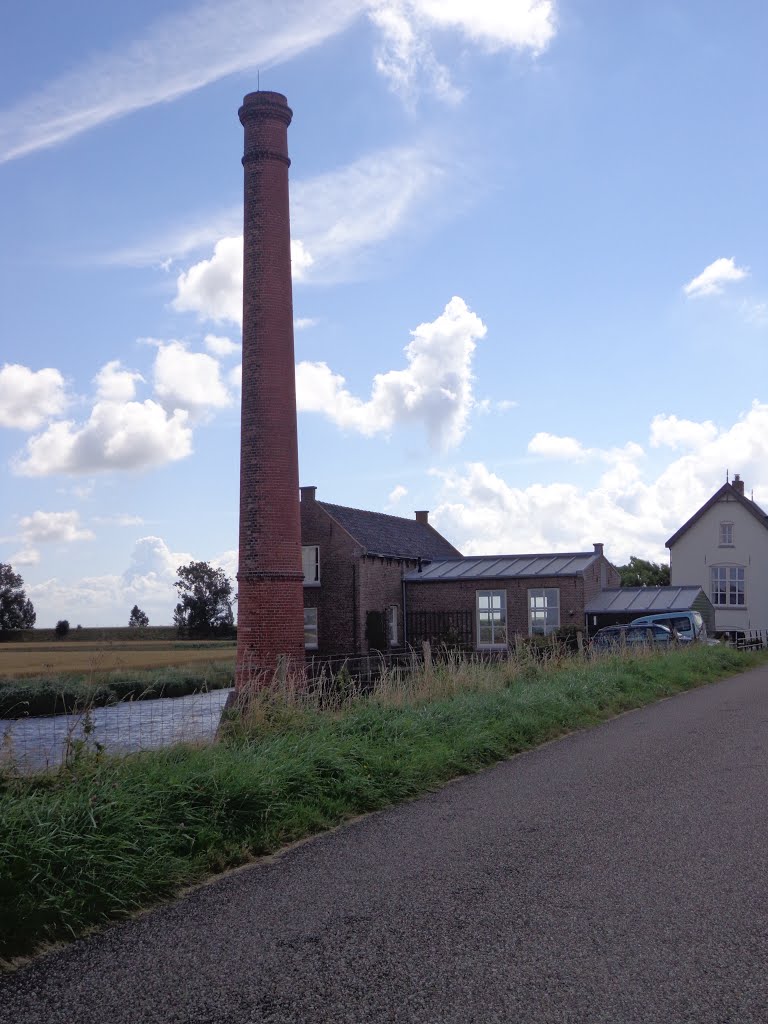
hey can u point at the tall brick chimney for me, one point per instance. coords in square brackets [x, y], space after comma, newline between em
[270, 627]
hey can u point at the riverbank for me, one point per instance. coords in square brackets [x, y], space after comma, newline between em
[106, 837]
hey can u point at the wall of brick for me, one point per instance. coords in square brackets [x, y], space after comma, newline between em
[456, 595]
[270, 601]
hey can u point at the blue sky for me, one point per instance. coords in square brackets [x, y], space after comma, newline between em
[530, 284]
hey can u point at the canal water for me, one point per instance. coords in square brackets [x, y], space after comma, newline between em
[36, 744]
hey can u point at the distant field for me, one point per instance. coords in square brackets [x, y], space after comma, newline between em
[33, 659]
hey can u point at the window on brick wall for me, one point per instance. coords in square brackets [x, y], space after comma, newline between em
[393, 613]
[728, 585]
[310, 629]
[310, 563]
[491, 618]
[726, 535]
[543, 611]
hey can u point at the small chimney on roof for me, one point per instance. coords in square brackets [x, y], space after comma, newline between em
[308, 493]
[423, 518]
[598, 549]
[738, 484]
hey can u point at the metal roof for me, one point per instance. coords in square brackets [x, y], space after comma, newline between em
[643, 599]
[494, 567]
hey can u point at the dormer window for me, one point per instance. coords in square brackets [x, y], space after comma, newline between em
[726, 535]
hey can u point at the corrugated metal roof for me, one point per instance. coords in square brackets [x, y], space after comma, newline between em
[391, 536]
[643, 599]
[494, 567]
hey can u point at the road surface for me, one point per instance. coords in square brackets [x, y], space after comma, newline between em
[617, 875]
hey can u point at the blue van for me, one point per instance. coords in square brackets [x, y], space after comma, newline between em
[689, 625]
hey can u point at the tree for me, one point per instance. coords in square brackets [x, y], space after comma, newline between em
[138, 619]
[62, 628]
[205, 604]
[638, 572]
[16, 611]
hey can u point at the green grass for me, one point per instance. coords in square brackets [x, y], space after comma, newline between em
[57, 693]
[105, 837]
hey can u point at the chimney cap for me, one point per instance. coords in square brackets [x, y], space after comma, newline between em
[308, 493]
[598, 548]
[422, 517]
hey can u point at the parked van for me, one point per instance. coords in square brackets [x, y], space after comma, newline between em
[689, 625]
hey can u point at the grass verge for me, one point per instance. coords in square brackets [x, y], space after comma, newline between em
[107, 837]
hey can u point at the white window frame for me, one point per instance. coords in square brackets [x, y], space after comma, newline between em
[728, 586]
[310, 564]
[725, 535]
[310, 629]
[393, 634]
[491, 610]
[543, 611]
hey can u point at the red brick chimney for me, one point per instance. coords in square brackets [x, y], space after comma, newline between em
[738, 484]
[270, 627]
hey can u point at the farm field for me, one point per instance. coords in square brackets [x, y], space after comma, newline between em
[31, 659]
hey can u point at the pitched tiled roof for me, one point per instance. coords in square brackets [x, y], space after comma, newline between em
[380, 534]
[494, 567]
[729, 491]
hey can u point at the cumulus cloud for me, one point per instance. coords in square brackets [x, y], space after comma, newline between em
[397, 494]
[189, 381]
[671, 432]
[301, 323]
[406, 53]
[483, 513]
[117, 435]
[714, 278]
[26, 556]
[47, 527]
[220, 346]
[213, 288]
[551, 446]
[29, 397]
[114, 384]
[434, 390]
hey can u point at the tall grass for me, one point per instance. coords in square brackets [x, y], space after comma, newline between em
[105, 837]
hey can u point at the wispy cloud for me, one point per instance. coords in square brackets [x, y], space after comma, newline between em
[178, 54]
[715, 277]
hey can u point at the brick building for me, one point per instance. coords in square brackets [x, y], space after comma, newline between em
[484, 602]
[354, 562]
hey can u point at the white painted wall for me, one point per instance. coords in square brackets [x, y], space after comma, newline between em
[694, 554]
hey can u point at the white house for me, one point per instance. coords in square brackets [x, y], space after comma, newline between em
[724, 548]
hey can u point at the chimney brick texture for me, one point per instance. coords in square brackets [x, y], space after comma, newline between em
[270, 579]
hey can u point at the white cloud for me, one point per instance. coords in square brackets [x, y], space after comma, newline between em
[113, 384]
[235, 377]
[27, 556]
[48, 527]
[29, 397]
[552, 447]
[214, 288]
[481, 512]
[119, 519]
[177, 54]
[337, 218]
[188, 380]
[434, 390]
[117, 435]
[406, 55]
[301, 323]
[713, 278]
[221, 346]
[396, 495]
[672, 432]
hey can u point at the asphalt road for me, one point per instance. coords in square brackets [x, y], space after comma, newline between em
[615, 875]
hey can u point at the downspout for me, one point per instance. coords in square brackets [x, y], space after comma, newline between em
[405, 610]
[354, 609]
